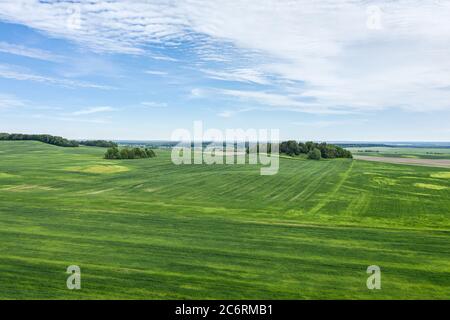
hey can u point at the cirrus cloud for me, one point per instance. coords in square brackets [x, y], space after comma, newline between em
[317, 56]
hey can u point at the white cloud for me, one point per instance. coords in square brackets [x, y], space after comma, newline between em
[156, 72]
[339, 61]
[28, 52]
[232, 113]
[70, 119]
[324, 50]
[282, 101]
[329, 123]
[226, 114]
[92, 110]
[117, 26]
[12, 72]
[239, 75]
[154, 104]
[197, 93]
[8, 101]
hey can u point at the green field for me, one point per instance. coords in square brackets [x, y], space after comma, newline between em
[403, 152]
[147, 229]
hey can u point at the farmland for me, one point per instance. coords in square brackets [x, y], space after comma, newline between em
[403, 152]
[147, 229]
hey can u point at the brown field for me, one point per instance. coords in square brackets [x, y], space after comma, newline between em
[444, 163]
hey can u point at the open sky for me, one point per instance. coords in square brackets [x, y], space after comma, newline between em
[319, 70]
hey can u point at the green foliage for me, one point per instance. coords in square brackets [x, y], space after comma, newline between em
[56, 141]
[327, 151]
[112, 153]
[290, 147]
[330, 151]
[258, 147]
[150, 153]
[309, 145]
[129, 153]
[98, 143]
[314, 154]
[302, 147]
[46, 138]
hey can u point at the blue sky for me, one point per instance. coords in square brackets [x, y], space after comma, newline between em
[362, 71]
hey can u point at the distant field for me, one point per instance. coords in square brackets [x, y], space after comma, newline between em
[147, 229]
[442, 163]
[419, 153]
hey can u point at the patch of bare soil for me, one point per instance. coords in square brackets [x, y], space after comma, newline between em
[444, 163]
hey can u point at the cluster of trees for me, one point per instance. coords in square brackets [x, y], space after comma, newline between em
[255, 147]
[56, 141]
[98, 143]
[314, 150]
[129, 153]
[46, 138]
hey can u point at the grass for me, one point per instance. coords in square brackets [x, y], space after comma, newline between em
[403, 152]
[441, 175]
[160, 231]
[100, 168]
[430, 186]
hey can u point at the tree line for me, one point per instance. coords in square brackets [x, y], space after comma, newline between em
[98, 143]
[129, 153]
[45, 138]
[314, 150]
[56, 141]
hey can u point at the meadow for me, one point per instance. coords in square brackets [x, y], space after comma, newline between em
[147, 229]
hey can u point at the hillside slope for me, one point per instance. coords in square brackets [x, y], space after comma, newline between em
[148, 229]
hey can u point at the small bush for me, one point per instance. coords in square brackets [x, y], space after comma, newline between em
[314, 154]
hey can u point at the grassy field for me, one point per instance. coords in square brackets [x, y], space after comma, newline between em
[420, 153]
[147, 229]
